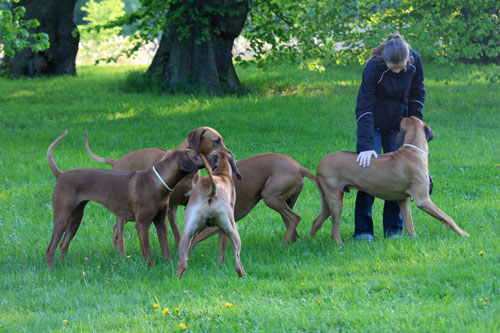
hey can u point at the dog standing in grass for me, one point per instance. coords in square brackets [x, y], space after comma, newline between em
[132, 196]
[395, 176]
[202, 139]
[212, 204]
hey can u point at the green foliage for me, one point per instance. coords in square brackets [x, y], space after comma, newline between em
[335, 31]
[344, 31]
[98, 42]
[185, 19]
[436, 282]
[16, 33]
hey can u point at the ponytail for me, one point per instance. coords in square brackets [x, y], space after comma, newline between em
[394, 50]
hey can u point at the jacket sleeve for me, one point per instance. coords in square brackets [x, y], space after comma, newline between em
[417, 90]
[364, 107]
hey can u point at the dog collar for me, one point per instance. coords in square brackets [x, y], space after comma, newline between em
[162, 181]
[415, 147]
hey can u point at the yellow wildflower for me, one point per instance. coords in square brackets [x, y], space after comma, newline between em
[165, 311]
[65, 321]
[481, 253]
[176, 309]
[183, 326]
[156, 305]
[228, 305]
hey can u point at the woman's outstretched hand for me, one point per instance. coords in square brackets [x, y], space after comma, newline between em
[365, 156]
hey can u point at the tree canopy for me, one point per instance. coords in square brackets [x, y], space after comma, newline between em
[341, 31]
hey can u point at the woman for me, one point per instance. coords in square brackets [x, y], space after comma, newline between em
[392, 87]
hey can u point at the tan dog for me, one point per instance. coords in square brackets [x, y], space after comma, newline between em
[275, 178]
[133, 196]
[211, 204]
[203, 140]
[395, 176]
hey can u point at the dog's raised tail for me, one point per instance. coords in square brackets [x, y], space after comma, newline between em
[306, 173]
[99, 159]
[211, 195]
[53, 167]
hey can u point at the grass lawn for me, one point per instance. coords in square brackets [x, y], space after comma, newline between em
[436, 281]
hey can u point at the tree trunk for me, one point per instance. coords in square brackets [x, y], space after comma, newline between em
[192, 64]
[56, 19]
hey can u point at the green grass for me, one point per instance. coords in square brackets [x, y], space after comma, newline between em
[437, 281]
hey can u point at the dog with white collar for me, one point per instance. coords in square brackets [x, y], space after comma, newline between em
[396, 176]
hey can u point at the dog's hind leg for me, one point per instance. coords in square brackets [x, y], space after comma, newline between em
[404, 206]
[161, 231]
[191, 227]
[291, 201]
[73, 224]
[335, 206]
[222, 247]
[323, 215]
[430, 208]
[290, 218]
[229, 227]
[60, 225]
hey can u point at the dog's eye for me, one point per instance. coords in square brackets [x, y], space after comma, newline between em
[218, 142]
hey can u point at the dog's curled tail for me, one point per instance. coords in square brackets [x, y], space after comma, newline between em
[99, 159]
[53, 167]
[211, 177]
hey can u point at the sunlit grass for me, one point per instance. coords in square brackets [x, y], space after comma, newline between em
[435, 282]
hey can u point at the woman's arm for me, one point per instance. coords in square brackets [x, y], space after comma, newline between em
[364, 106]
[417, 90]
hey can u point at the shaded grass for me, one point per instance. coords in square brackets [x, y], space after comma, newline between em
[435, 282]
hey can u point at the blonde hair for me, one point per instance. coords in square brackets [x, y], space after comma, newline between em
[394, 50]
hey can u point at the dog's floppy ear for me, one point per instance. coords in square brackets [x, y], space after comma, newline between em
[213, 160]
[234, 168]
[400, 138]
[429, 134]
[194, 138]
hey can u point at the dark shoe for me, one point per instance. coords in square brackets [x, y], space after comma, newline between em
[364, 237]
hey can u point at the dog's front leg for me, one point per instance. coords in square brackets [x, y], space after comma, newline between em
[142, 227]
[161, 231]
[173, 204]
[430, 208]
[118, 237]
[404, 206]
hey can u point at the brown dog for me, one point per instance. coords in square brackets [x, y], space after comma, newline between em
[211, 203]
[395, 176]
[203, 140]
[275, 178]
[133, 196]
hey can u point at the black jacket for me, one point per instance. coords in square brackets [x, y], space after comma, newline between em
[385, 97]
